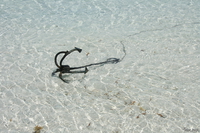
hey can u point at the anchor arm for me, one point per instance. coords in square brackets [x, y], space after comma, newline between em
[69, 52]
[55, 59]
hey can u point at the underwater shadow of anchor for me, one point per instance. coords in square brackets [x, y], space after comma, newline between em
[67, 69]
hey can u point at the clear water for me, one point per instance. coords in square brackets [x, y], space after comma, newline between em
[155, 88]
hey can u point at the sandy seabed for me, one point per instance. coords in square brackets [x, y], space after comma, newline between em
[154, 89]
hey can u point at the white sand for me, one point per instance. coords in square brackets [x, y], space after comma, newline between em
[155, 89]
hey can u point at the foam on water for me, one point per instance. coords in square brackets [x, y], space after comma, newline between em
[155, 88]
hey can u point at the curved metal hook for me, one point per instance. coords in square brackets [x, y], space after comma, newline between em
[65, 54]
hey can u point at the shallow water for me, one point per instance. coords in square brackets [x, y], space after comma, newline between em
[155, 88]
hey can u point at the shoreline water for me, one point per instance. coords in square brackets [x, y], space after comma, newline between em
[156, 84]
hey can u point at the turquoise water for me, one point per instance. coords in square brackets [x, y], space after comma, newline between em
[155, 88]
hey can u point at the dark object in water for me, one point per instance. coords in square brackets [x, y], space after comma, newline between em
[67, 69]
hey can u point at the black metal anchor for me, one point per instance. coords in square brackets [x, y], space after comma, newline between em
[67, 69]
